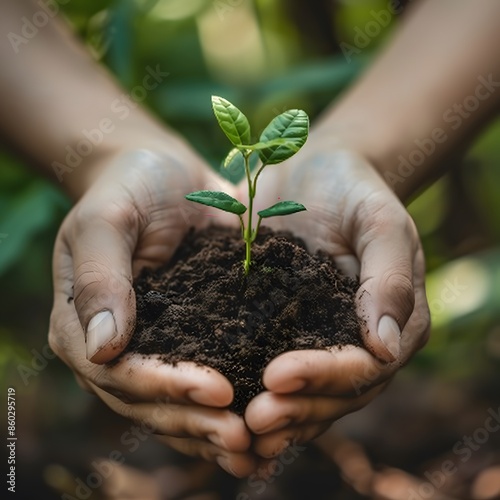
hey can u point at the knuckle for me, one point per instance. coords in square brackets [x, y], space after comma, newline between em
[59, 336]
[117, 215]
[424, 338]
[127, 411]
[400, 288]
[89, 283]
[387, 217]
[97, 285]
[55, 342]
[424, 326]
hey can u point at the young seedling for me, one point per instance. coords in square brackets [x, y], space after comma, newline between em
[280, 140]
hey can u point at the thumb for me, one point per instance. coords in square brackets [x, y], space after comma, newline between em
[386, 297]
[103, 294]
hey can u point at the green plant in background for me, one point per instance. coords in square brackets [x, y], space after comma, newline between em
[280, 140]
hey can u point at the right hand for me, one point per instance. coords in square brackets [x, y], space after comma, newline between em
[354, 216]
[135, 215]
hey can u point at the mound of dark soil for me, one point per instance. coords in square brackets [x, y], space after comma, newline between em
[201, 307]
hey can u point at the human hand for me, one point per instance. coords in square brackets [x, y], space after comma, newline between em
[135, 215]
[353, 215]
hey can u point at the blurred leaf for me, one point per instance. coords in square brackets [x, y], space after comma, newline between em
[119, 34]
[23, 216]
[428, 209]
[327, 75]
[483, 180]
[188, 100]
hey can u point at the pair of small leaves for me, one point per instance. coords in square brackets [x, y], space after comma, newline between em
[227, 203]
[280, 140]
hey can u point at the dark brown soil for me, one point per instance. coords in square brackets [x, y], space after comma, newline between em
[200, 307]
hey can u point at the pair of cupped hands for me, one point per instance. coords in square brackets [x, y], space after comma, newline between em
[134, 214]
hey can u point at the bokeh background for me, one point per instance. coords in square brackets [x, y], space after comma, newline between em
[266, 56]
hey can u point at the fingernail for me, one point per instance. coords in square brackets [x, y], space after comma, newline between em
[390, 335]
[224, 463]
[100, 331]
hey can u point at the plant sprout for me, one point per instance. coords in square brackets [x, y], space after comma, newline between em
[280, 140]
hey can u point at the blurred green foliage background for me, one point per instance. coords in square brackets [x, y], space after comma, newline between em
[265, 56]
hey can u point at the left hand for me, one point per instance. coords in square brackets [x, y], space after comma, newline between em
[132, 216]
[353, 215]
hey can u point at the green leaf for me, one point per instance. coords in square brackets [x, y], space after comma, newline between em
[231, 120]
[234, 158]
[292, 125]
[263, 145]
[219, 200]
[282, 208]
[233, 166]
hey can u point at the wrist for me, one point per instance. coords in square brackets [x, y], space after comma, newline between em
[384, 144]
[87, 159]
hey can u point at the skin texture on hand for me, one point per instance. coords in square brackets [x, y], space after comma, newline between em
[135, 215]
[353, 215]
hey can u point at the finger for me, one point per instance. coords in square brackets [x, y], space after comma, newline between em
[101, 241]
[341, 372]
[221, 427]
[152, 379]
[269, 412]
[416, 332]
[236, 464]
[133, 377]
[386, 246]
[83, 383]
[348, 265]
[288, 441]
